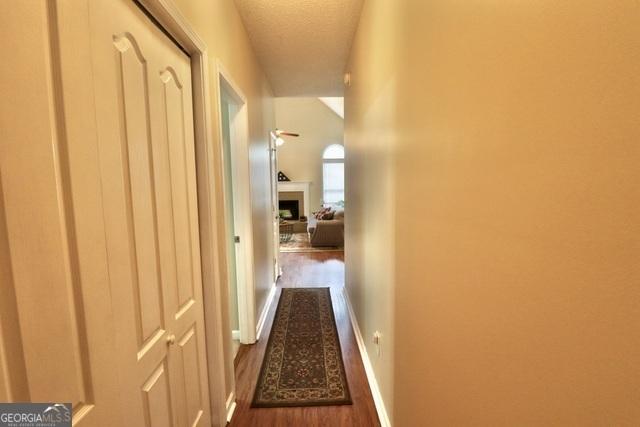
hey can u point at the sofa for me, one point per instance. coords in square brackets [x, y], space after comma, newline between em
[327, 232]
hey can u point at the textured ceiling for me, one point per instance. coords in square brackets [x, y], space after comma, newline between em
[303, 45]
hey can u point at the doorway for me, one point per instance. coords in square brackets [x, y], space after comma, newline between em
[227, 111]
[237, 212]
[122, 247]
[275, 214]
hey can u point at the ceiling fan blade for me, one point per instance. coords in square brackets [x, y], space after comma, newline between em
[281, 132]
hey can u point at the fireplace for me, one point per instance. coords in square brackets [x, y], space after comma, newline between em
[296, 190]
[293, 206]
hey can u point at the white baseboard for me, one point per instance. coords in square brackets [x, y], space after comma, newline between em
[265, 311]
[231, 406]
[371, 377]
[235, 335]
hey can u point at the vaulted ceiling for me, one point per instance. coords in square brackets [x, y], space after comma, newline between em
[303, 45]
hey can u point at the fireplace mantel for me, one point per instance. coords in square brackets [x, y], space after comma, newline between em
[302, 186]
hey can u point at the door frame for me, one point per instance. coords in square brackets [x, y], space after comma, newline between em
[73, 57]
[243, 220]
[274, 218]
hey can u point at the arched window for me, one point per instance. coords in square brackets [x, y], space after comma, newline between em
[333, 175]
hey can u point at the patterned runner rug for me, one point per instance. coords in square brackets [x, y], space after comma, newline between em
[303, 364]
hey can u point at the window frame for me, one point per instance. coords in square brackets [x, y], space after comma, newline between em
[332, 160]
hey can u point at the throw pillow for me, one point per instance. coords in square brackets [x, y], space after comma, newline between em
[327, 215]
[321, 212]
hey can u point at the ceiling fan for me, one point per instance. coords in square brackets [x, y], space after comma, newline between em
[278, 134]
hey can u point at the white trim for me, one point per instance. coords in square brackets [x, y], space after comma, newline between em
[243, 221]
[302, 186]
[231, 406]
[265, 311]
[368, 367]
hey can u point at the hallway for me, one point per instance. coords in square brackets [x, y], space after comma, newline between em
[478, 160]
[307, 270]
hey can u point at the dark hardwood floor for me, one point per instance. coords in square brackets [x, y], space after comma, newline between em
[306, 270]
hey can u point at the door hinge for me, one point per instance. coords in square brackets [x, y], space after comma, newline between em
[236, 239]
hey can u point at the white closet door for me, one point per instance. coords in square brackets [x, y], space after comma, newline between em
[56, 337]
[147, 165]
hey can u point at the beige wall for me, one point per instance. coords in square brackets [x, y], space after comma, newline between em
[301, 158]
[369, 185]
[221, 28]
[513, 129]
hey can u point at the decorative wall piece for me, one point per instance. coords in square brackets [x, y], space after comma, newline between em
[283, 177]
